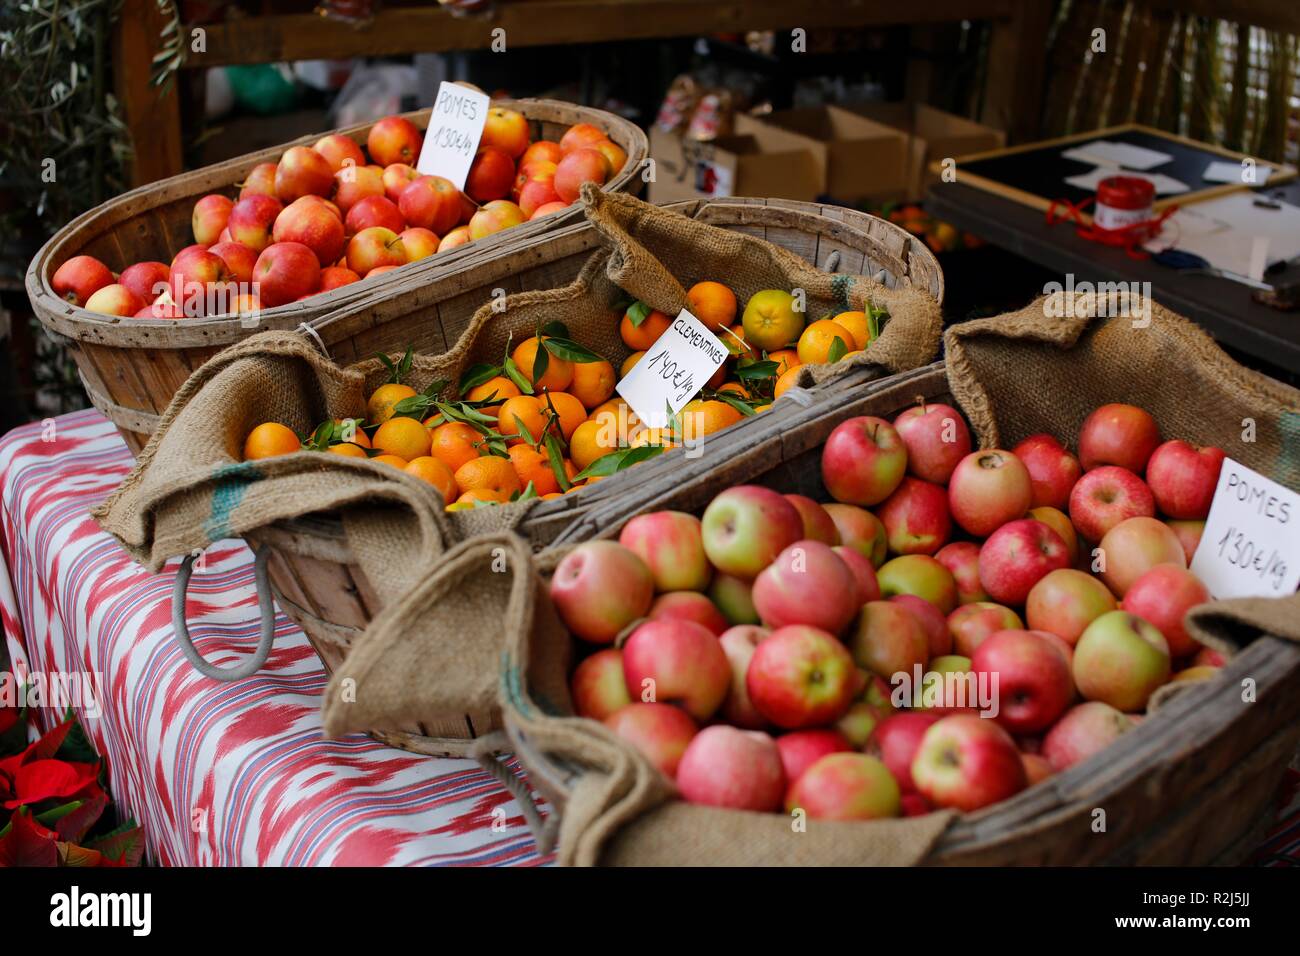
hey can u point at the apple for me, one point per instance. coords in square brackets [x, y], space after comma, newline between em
[1194, 674]
[303, 172]
[1017, 556]
[209, 218]
[506, 130]
[940, 696]
[358, 183]
[863, 461]
[340, 151]
[336, 276]
[1105, 496]
[961, 558]
[148, 280]
[308, 221]
[734, 598]
[375, 211]
[537, 193]
[858, 722]
[396, 178]
[671, 543]
[79, 278]
[1116, 434]
[966, 763]
[1037, 768]
[285, 271]
[1052, 470]
[971, 624]
[1189, 536]
[581, 166]
[916, 517]
[1209, 657]
[817, 522]
[1065, 602]
[580, 135]
[431, 202]
[932, 622]
[542, 149]
[614, 154]
[860, 530]
[548, 209]
[660, 732]
[161, 308]
[195, 276]
[921, 575]
[1121, 660]
[599, 588]
[115, 299]
[1033, 679]
[987, 489]
[727, 767]
[260, 181]
[888, 639]
[738, 643]
[252, 220]
[493, 217]
[677, 662]
[599, 689]
[896, 740]
[1183, 478]
[1163, 596]
[1135, 546]
[745, 527]
[809, 584]
[936, 438]
[688, 606]
[863, 573]
[845, 786]
[394, 139]
[800, 676]
[800, 749]
[457, 237]
[1059, 522]
[1084, 730]
[419, 243]
[490, 175]
[374, 248]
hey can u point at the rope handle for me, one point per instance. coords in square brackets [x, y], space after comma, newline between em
[265, 603]
[484, 751]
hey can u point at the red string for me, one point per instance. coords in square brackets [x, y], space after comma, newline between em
[1130, 238]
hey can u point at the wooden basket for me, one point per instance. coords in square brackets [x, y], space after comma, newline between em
[1192, 785]
[314, 575]
[131, 368]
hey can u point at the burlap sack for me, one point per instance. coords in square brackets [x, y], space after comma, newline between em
[1013, 375]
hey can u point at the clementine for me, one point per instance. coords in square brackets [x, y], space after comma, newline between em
[525, 409]
[593, 382]
[535, 466]
[404, 437]
[270, 439]
[454, 443]
[817, 341]
[488, 473]
[558, 374]
[712, 303]
[379, 407]
[571, 411]
[857, 325]
[640, 337]
[430, 469]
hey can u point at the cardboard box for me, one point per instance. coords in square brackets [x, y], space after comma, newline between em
[933, 135]
[755, 160]
[864, 159]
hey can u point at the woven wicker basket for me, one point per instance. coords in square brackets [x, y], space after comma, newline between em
[131, 367]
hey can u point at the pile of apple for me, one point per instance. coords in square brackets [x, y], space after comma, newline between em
[769, 655]
[326, 216]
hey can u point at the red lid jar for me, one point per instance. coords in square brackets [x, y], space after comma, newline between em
[1123, 201]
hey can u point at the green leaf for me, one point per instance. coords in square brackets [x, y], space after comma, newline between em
[436, 386]
[570, 350]
[757, 371]
[477, 375]
[556, 328]
[541, 362]
[634, 456]
[414, 406]
[874, 323]
[556, 456]
[736, 402]
[602, 467]
[513, 373]
[404, 366]
[529, 492]
[837, 350]
[638, 312]
[55, 813]
[523, 430]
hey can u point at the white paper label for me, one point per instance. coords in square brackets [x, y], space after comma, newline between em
[673, 370]
[1250, 547]
[455, 127]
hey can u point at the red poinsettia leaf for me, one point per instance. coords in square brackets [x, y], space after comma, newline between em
[49, 744]
[72, 821]
[27, 843]
[42, 780]
[9, 717]
[124, 844]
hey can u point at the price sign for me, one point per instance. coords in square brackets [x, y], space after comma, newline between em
[455, 127]
[1250, 546]
[673, 370]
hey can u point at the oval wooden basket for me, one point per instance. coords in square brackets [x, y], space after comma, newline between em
[1192, 785]
[315, 578]
[131, 368]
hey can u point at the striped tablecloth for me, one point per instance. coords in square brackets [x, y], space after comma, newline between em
[217, 774]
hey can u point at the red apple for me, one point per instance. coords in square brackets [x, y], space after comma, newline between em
[937, 439]
[79, 278]
[599, 689]
[148, 280]
[493, 217]
[431, 202]
[599, 588]
[688, 606]
[726, 767]
[356, 183]
[1034, 686]
[302, 172]
[961, 558]
[858, 722]
[677, 662]
[537, 193]
[987, 489]
[1121, 660]
[547, 209]
[195, 276]
[800, 677]
[1037, 768]
[308, 221]
[971, 624]
[845, 786]
[457, 237]
[916, 517]
[584, 165]
[863, 461]
[252, 219]
[800, 749]
[1163, 596]
[817, 522]
[888, 639]
[506, 130]
[671, 543]
[336, 276]
[374, 248]
[285, 271]
[396, 178]
[1084, 730]
[863, 573]
[745, 527]
[340, 151]
[1016, 556]
[375, 211]
[1183, 478]
[1135, 546]
[932, 622]
[543, 150]
[660, 732]
[921, 575]
[807, 583]
[1209, 657]
[490, 175]
[1059, 522]
[115, 299]
[738, 643]
[860, 530]
[260, 181]
[580, 135]
[1065, 602]
[896, 740]
[394, 139]
[239, 259]
[1104, 497]
[1052, 469]
[1189, 536]
[734, 598]
[1116, 434]
[966, 763]
[209, 218]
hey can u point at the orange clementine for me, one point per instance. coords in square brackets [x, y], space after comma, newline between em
[379, 407]
[397, 461]
[640, 337]
[700, 418]
[593, 382]
[484, 495]
[593, 439]
[535, 466]
[270, 439]
[522, 408]
[500, 386]
[785, 381]
[454, 443]
[857, 325]
[629, 363]
[786, 359]
[659, 437]
[736, 343]
[818, 339]
[430, 469]
[571, 411]
[621, 420]
[433, 421]
[354, 434]
[718, 378]
[403, 437]
[558, 374]
[553, 494]
[712, 303]
[759, 409]
[488, 473]
[348, 450]
[734, 387]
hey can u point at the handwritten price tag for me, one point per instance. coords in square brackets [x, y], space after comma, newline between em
[673, 370]
[1250, 547]
[455, 127]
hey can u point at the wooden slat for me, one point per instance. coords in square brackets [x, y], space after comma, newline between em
[1017, 67]
[151, 114]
